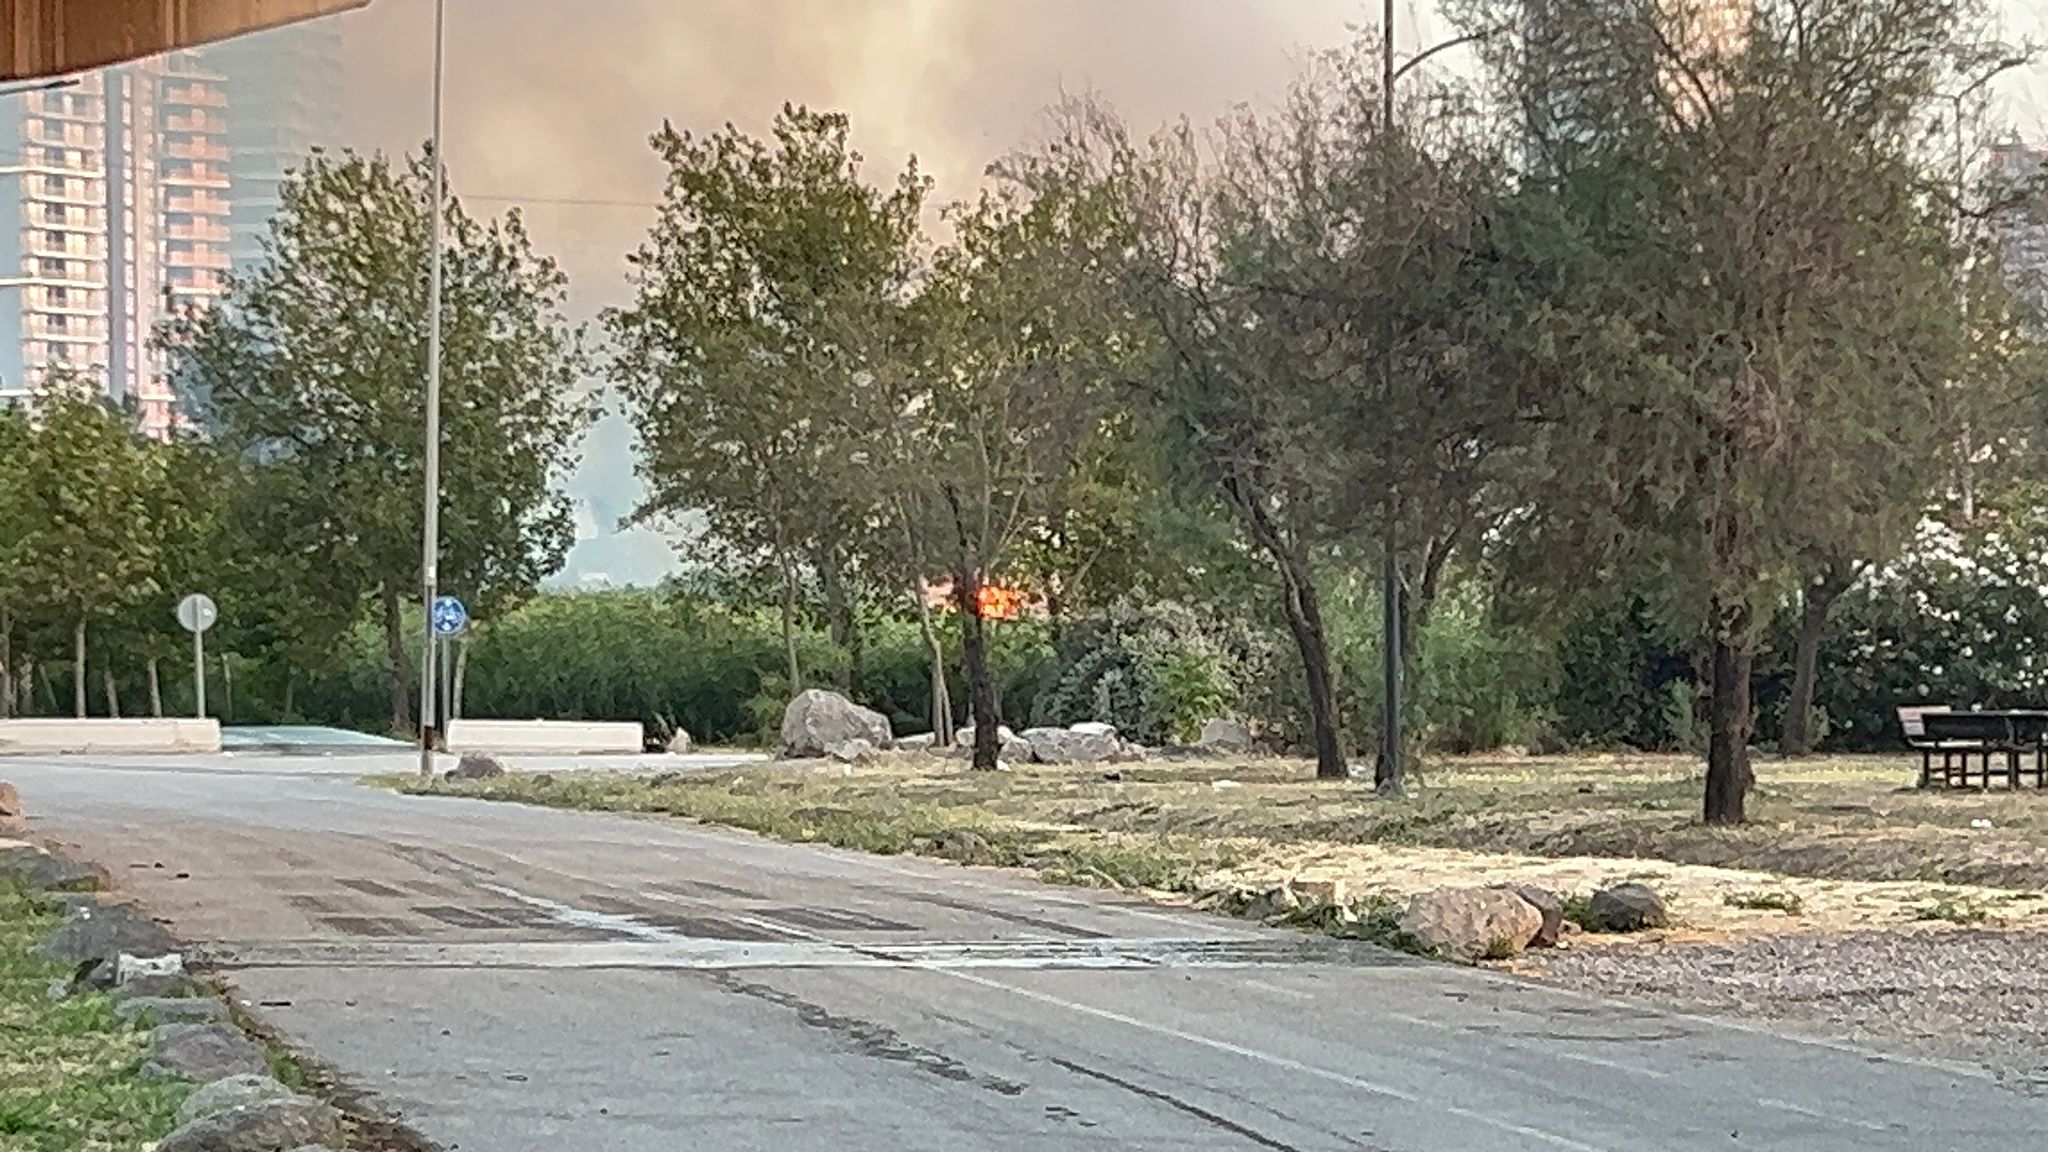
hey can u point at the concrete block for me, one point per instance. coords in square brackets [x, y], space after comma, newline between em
[568, 737]
[108, 737]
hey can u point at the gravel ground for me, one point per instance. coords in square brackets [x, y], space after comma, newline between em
[1979, 997]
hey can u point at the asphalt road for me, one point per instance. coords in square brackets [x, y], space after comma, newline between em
[508, 979]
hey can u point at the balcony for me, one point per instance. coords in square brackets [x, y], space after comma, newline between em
[203, 233]
[197, 205]
[198, 258]
[194, 123]
[196, 177]
[201, 149]
[193, 95]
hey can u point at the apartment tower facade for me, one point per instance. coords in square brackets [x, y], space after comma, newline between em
[131, 196]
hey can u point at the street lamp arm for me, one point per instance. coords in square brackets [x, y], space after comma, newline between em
[1453, 42]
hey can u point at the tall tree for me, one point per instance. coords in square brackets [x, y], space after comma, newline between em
[15, 519]
[734, 354]
[90, 547]
[1317, 290]
[1748, 200]
[312, 372]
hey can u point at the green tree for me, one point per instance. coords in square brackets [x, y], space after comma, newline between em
[90, 550]
[735, 352]
[311, 372]
[1750, 205]
[15, 520]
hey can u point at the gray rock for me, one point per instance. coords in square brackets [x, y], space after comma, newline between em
[1552, 908]
[1093, 728]
[172, 1010]
[1224, 736]
[203, 1053]
[104, 933]
[1065, 746]
[11, 811]
[922, 740]
[1009, 745]
[229, 1093]
[476, 766]
[39, 871]
[1628, 908]
[851, 752]
[817, 720]
[681, 743]
[1471, 924]
[161, 986]
[263, 1126]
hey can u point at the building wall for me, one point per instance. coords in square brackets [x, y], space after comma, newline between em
[132, 196]
[2022, 234]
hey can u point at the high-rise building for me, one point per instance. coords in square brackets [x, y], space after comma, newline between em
[2021, 170]
[131, 196]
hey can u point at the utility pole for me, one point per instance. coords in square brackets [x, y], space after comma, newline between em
[1388, 779]
[430, 545]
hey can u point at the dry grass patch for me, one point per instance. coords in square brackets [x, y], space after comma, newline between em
[1833, 844]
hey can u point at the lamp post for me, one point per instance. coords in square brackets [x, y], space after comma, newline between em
[1391, 776]
[430, 544]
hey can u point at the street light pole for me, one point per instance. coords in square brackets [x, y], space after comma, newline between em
[430, 545]
[1390, 771]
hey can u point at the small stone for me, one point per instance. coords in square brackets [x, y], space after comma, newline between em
[202, 1053]
[1552, 908]
[1319, 893]
[851, 751]
[920, 741]
[229, 1093]
[104, 933]
[129, 968]
[476, 766]
[962, 846]
[1628, 907]
[1471, 924]
[1225, 737]
[262, 1126]
[172, 1010]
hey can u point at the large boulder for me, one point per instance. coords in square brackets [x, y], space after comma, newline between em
[12, 814]
[203, 1053]
[1471, 924]
[818, 721]
[39, 871]
[105, 933]
[1067, 746]
[476, 766]
[1627, 908]
[1009, 745]
[1224, 737]
[262, 1126]
[229, 1093]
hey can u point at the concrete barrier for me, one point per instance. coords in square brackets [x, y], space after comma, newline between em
[107, 737]
[572, 737]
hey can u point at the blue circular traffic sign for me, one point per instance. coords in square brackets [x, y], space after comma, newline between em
[450, 617]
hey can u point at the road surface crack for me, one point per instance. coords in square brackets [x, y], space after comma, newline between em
[867, 1037]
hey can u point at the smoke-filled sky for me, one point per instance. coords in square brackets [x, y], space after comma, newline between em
[553, 100]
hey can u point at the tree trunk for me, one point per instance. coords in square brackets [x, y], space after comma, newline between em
[113, 691]
[839, 620]
[1729, 720]
[942, 695]
[981, 692]
[227, 690]
[461, 674]
[6, 664]
[1303, 607]
[156, 689]
[1796, 737]
[795, 668]
[78, 669]
[394, 653]
[291, 691]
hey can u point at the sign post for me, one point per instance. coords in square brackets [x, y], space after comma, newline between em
[196, 614]
[450, 619]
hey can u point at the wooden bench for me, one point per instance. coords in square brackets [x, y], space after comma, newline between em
[1966, 737]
